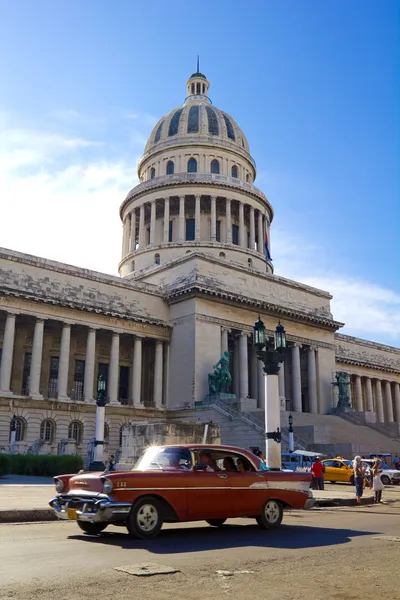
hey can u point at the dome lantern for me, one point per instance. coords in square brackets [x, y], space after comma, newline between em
[197, 86]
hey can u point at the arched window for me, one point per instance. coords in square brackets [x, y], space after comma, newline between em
[20, 429]
[133, 266]
[47, 430]
[174, 122]
[193, 120]
[213, 127]
[106, 431]
[222, 254]
[192, 165]
[250, 262]
[170, 167]
[234, 171]
[75, 432]
[248, 178]
[230, 132]
[158, 132]
[157, 259]
[152, 173]
[215, 166]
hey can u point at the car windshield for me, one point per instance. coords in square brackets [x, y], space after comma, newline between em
[159, 458]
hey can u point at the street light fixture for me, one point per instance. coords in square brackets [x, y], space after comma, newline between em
[97, 463]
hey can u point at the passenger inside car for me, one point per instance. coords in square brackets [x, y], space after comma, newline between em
[229, 464]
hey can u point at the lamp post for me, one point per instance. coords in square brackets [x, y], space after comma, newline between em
[97, 463]
[13, 433]
[271, 359]
[291, 434]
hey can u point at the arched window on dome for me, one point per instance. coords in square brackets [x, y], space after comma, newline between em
[152, 173]
[157, 259]
[174, 122]
[170, 167]
[234, 171]
[192, 165]
[215, 166]
[230, 132]
[213, 127]
[75, 432]
[158, 132]
[193, 120]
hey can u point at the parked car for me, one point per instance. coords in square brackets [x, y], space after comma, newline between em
[181, 483]
[338, 469]
[299, 460]
[388, 475]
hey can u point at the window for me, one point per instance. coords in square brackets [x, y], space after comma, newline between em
[158, 132]
[25, 373]
[250, 262]
[215, 166]
[234, 171]
[248, 178]
[190, 229]
[47, 430]
[170, 231]
[152, 173]
[222, 254]
[170, 167]
[174, 122]
[229, 128]
[193, 120]
[218, 231]
[198, 88]
[20, 429]
[213, 127]
[53, 377]
[192, 88]
[79, 375]
[75, 432]
[235, 234]
[123, 388]
[156, 259]
[192, 165]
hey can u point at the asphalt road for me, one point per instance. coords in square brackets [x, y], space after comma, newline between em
[329, 554]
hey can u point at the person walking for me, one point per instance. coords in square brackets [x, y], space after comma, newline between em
[396, 462]
[317, 471]
[377, 481]
[359, 473]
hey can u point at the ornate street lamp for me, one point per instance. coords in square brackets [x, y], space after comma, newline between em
[271, 358]
[97, 463]
[291, 434]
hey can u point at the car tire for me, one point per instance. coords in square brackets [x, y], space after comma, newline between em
[145, 519]
[385, 480]
[271, 515]
[92, 528]
[215, 522]
[351, 480]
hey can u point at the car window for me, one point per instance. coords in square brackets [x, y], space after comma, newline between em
[337, 464]
[159, 458]
[328, 463]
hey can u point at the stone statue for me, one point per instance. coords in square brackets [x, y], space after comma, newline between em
[220, 380]
[343, 383]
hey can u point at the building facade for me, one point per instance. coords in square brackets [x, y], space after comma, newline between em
[194, 275]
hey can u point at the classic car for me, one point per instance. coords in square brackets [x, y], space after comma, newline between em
[181, 483]
[338, 469]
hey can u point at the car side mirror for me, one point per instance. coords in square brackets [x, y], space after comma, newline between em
[200, 467]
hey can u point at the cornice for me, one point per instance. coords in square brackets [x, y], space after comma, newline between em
[366, 364]
[340, 337]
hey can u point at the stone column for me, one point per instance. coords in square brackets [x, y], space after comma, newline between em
[243, 366]
[166, 374]
[224, 340]
[252, 230]
[228, 222]
[368, 394]
[90, 360]
[260, 385]
[389, 402]
[36, 360]
[113, 370]
[358, 393]
[125, 236]
[235, 369]
[7, 355]
[166, 220]
[379, 402]
[182, 218]
[281, 380]
[158, 375]
[141, 228]
[63, 363]
[296, 378]
[312, 381]
[137, 372]
[242, 242]
[260, 234]
[153, 223]
[213, 219]
[132, 247]
[254, 373]
[397, 400]
[197, 217]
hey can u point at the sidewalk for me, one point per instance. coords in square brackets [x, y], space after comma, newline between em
[25, 499]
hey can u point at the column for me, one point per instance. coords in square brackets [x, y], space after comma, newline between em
[379, 402]
[153, 223]
[224, 340]
[388, 401]
[132, 247]
[36, 360]
[312, 381]
[281, 380]
[125, 236]
[397, 401]
[182, 218]
[296, 378]
[242, 241]
[166, 220]
[235, 368]
[63, 363]
[158, 375]
[243, 366]
[90, 360]
[166, 375]
[228, 222]
[260, 234]
[358, 393]
[368, 394]
[113, 370]
[141, 228]
[213, 219]
[197, 217]
[252, 230]
[137, 372]
[7, 355]
[261, 385]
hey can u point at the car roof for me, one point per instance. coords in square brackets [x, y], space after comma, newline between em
[218, 447]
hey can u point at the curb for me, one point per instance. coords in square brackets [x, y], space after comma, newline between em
[27, 515]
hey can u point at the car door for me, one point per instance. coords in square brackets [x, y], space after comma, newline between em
[207, 495]
[246, 490]
[329, 473]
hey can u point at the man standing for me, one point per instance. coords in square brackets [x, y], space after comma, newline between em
[396, 462]
[317, 470]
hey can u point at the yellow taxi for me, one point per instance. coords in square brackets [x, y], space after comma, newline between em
[338, 469]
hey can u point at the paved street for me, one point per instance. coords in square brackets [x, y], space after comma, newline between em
[323, 554]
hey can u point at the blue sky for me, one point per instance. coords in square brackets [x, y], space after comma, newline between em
[315, 87]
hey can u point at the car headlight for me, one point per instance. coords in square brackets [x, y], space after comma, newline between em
[107, 486]
[59, 485]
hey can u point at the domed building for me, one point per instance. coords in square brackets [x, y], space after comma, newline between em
[195, 273]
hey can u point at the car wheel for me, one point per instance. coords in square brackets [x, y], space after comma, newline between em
[215, 522]
[271, 516]
[385, 479]
[145, 519]
[92, 528]
[352, 480]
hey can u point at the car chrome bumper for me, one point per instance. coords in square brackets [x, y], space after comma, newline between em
[91, 510]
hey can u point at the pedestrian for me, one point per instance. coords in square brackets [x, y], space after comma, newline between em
[377, 481]
[358, 477]
[317, 471]
[396, 462]
[111, 466]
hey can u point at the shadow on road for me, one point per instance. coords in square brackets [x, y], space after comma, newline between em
[197, 539]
